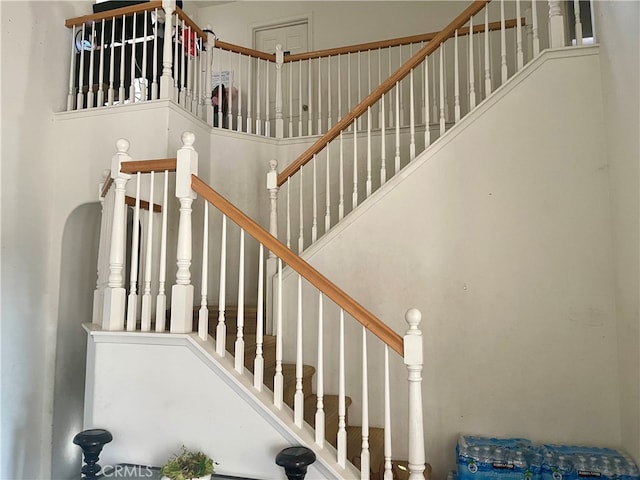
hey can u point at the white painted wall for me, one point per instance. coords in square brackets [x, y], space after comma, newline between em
[180, 395]
[501, 236]
[620, 57]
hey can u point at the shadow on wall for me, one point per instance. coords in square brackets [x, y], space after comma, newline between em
[77, 282]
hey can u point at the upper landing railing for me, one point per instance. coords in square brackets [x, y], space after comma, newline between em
[121, 56]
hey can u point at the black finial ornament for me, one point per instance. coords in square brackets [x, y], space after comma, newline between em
[91, 443]
[295, 461]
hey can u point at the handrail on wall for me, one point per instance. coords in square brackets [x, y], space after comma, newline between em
[383, 88]
[344, 301]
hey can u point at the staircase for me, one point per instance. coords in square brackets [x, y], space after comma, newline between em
[354, 432]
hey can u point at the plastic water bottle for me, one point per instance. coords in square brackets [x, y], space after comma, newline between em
[519, 460]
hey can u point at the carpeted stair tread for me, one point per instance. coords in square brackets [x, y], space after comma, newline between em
[330, 407]
[289, 380]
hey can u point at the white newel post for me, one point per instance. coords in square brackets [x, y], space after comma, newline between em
[166, 79]
[556, 24]
[182, 291]
[98, 294]
[211, 43]
[413, 361]
[115, 294]
[279, 118]
[272, 261]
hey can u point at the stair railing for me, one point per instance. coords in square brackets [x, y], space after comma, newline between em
[144, 52]
[285, 95]
[444, 80]
[142, 306]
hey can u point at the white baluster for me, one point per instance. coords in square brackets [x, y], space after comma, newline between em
[381, 111]
[277, 378]
[593, 21]
[368, 182]
[412, 119]
[132, 86]
[456, 81]
[536, 37]
[239, 122]
[154, 82]
[161, 300]
[182, 291]
[239, 346]
[446, 99]
[400, 113]
[556, 24]
[298, 398]
[249, 90]
[472, 70]
[503, 45]
[310, 102]
[390, 96]
[413, 361]
[80, 94]
[341, 202]
[100, 99]
[110, 91]
[133, 273]
[327, 213]
[329, 97]
[487, 59]
[434, 102]
[300, 217]
[90, 96]
[354, 196]
[388, 474]
[146, 296]
[349, 104]
[203, 314]
[365, 461]
[319, 423]
[424, 105]
[208, 106]
[290, 64]
[396, 164]
[175, 95]
[578, 22]
[279, 117]
[114, 294]
[383, 142]
[121, 89]
[267, 120]
[314, 224]
[342, 411]
[289, 212]
[166, 80]
[427, 116]
[258, 98]
[258, 362]
[442, 100]
[519, 52]
[144, 60]
[340, 85]
[359, 124]
[221, 328]
[72, 65]
[300, 100]
[319, 94]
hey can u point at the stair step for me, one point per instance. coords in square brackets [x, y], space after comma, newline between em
[230, 318]
[376, 447]
[289, 380]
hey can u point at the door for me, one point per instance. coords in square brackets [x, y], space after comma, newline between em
[294, 38]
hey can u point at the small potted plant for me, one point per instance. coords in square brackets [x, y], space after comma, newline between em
[188, 465]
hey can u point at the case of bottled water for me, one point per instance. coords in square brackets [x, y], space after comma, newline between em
[485, 458]
[481, 458]
[566, 462]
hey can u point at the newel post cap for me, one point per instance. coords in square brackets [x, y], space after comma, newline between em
[186, 165]
[279, 54]
[122, 155]
[413, 338]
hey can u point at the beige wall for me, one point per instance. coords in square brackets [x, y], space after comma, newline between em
[620, 56]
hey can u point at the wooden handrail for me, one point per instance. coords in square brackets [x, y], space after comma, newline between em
[116, 12]
[144, 205]
[396, 42]
[245, 51]
[148, 166]
[105, 187]
[344, 301]
[383, 88]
